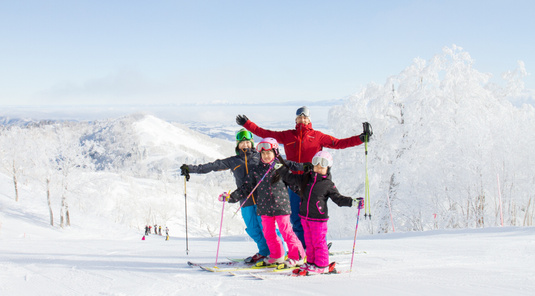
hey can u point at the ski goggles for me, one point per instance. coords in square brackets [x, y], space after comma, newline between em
[265, 146]
[322, 161]
[244, 135]
[303, 111]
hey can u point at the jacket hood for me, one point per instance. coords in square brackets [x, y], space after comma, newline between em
[246, 151]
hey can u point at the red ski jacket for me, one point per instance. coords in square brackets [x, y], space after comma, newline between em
[303, 142]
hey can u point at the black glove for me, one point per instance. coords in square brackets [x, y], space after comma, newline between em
[308, 167]
[241, 119]
[367, 132]
[184, 171]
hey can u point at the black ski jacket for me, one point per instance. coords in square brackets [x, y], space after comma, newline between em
[240, 166]
[317, 190]
[272, 198]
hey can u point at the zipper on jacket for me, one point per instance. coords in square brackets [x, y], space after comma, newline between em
[300, 140]
[247, 173]
[310, 194]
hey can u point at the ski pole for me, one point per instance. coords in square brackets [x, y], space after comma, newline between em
[367, 211]
[360, 206]
[186, 210]
[220, 228]
[270, 167]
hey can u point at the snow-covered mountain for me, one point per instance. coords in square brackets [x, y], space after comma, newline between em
[127, 173]
[145, 140]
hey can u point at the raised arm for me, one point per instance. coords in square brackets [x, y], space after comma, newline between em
[263, 133]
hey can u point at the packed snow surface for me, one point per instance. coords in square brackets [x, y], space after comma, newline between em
[39, 260]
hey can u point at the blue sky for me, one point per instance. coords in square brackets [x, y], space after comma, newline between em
[161, 52]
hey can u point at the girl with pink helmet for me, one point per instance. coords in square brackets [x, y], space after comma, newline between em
[315, 187]
[273, 205]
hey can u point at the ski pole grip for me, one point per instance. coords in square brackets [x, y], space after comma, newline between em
[361, 203]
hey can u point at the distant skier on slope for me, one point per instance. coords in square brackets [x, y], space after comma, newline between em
[240, 165]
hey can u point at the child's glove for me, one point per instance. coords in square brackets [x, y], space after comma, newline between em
[308, 167]
[358, 202]
[223, 197]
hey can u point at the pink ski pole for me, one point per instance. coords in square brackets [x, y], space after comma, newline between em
[360, 206]
[270, 167]
[220, 228]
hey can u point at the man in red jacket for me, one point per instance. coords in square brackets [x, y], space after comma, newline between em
[300, 145]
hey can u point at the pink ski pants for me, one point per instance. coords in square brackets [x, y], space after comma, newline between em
[316, 242]
[276, 249]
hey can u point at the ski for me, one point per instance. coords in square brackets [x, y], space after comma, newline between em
[233, 269]
[335, 253]
[226, 263]
[268, 268]
[232, 261]
[283, 268]
[236, 259]
[306, 273]
[242, 260]
[273, 273]
[280, 269]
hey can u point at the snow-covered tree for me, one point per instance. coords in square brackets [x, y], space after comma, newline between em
[12, 144]
[442, 133]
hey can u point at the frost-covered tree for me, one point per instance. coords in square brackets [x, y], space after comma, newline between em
[71, 162]
[114, 146]
[442, 133]
[13, 141]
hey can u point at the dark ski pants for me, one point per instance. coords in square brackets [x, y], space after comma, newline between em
[295, 201]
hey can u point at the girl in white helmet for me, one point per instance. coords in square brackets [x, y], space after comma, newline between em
[315, 188]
